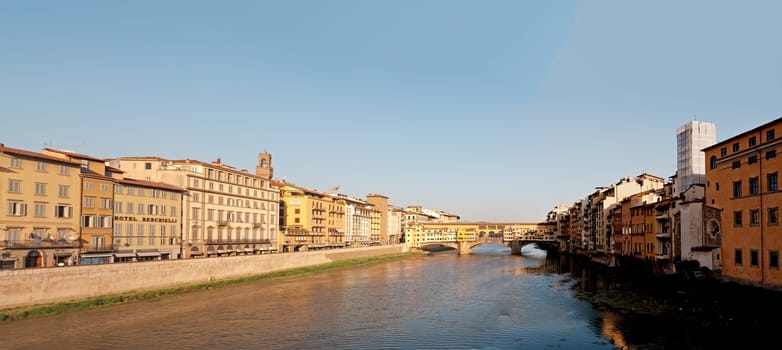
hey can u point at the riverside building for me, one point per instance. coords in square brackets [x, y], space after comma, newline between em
[97, 206]
[742, 180]
[41, 196]
[225, 211]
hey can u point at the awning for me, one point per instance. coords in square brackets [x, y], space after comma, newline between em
[248, 250]
[62, 254]
[95, 255]
[124, 255]
[196, 253]
[145, 254]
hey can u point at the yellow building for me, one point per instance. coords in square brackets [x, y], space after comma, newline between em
[97, 208]
[41, 195]
[310, 219]
[380, 203]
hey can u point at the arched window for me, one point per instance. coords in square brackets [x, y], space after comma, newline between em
[713, 162]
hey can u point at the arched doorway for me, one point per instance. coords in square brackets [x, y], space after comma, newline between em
[33, 259]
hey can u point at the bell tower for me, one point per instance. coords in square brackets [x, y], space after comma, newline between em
[264, 167]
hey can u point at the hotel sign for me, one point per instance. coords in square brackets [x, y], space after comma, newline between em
[143, 219]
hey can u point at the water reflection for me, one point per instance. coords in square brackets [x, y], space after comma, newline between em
[489, 299]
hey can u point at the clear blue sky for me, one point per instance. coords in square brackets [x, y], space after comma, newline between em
[492, 110]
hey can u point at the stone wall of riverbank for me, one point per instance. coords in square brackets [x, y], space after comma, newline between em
[28, 287]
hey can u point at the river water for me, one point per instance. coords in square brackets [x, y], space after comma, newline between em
[487, 300]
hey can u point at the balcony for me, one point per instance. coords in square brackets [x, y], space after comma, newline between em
[39, 243]
[222, 223]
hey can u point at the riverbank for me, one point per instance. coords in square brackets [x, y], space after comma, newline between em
[52, 309]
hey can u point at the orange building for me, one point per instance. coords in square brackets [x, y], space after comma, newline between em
[742, 180]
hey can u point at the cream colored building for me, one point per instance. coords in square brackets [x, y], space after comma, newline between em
[226, 211]
[394, 224]
[147, 221]
[41, 198]
[358, 222]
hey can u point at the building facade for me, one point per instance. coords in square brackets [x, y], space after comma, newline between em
[226, 211]
[40, 223]
[742, 180]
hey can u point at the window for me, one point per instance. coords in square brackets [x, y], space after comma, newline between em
[140, 234]
[752, 160]
[105, 203]
[737, 189]
[140, 208]
[754, 187]
[773, 216]
[716, 186]
[98, 243]
[40, 210]
[723, 152]
[773, 259]
[40, 189]
[148, 166]
[64, 170]
[196, 214]
[16, 163]
[173, 211]
[195, 183]
[737, 257]
[770, 135]
[754, 217]
[713, 162]
[40, 167]
[89, 202]
[736, 147]
[753, 257]
[296, 220]
[16, 208]
[297, 211]
[104, 187]
[130, 208]
[753, 141]
[63, 191]
[14, 186]
[737, 218]
[118, 207]
[152, 209]
[771, 154]
[772, 182]
[736, 164]
[63, 211]
[88, 186]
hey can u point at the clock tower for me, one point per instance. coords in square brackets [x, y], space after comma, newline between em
[264, 167]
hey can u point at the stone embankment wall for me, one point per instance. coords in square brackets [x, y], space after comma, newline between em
[28, 287]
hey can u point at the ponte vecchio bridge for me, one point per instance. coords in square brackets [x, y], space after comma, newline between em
[465, 247]
[465, 236]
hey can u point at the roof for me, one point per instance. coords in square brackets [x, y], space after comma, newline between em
[21, 152]
[74, 154]
[753, 130]
[128, 181]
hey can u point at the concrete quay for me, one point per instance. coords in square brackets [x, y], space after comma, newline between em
[29, 287]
